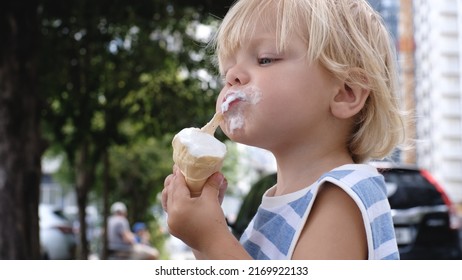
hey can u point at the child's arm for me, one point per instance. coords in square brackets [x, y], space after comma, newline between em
[334, 229]
[200, 221]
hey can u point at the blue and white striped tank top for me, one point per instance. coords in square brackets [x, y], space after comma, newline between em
[276, 227]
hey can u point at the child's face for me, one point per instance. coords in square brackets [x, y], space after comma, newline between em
[280, 98]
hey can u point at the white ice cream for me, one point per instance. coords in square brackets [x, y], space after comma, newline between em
[200, 144]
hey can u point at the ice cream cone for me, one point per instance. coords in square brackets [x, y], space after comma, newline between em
[198, 154]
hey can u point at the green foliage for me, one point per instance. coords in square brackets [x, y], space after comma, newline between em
[113, 72]
[108, 65]
[230, 167]
[158, 238]
[139, 170]
[122, 77]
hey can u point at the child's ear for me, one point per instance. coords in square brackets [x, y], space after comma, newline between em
[348, 101]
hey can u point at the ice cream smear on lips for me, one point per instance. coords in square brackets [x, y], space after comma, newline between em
[198, 154]
[234, 112]
[230, 98]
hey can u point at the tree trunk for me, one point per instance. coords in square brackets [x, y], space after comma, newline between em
[20, 143]
[106, 185]
[85, 177]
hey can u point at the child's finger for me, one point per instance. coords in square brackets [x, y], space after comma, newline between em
[178, 185]
[213, 185]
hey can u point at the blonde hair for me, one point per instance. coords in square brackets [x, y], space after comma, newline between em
[349, 39]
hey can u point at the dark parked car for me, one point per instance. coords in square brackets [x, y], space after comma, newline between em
[426, 223]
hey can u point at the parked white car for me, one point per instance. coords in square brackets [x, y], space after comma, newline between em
[57, 237]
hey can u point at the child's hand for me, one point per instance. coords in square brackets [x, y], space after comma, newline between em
[195, 220]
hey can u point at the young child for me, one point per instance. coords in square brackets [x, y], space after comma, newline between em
[314, 82]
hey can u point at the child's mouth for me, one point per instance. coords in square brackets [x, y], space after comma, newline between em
[235, 113]
[231, 99]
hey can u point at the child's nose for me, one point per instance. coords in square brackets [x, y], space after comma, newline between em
[237, 76]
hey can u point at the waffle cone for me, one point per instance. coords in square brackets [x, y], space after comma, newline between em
[196, 169]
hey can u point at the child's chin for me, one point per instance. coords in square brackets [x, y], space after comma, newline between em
[236, 134]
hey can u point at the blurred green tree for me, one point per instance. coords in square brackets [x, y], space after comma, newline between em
[94, 77]
[114, 73]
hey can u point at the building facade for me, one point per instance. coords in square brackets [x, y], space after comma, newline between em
[438, 91]
[428, 36]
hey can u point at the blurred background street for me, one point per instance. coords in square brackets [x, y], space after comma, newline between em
[92, 92]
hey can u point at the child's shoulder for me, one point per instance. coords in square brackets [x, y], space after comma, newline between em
[333, 216]
[358, 181]
[350, 174]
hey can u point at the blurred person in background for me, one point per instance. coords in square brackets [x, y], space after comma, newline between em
[122, 242]
[143, 245]
[120, 238]
[141, 233]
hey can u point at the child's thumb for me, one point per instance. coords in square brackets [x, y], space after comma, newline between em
[213, 184]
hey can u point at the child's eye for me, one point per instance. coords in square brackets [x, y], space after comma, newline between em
[265, 60]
